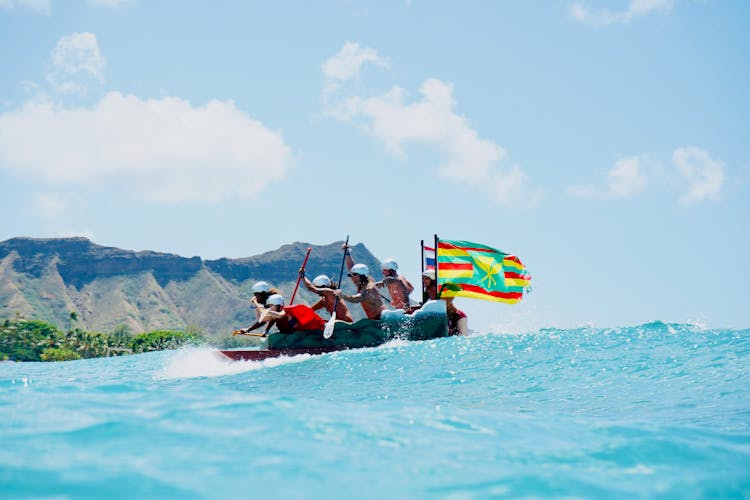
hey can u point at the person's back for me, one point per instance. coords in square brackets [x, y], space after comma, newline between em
[342, 310]
[323, 287]
[372, 302]
[398, 286]
[367, 293]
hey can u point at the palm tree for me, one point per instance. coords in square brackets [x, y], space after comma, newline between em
[73, 318]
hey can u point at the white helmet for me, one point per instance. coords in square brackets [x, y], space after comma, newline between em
[275, 300]
[261, 286]
[430, 273]
[359, 269]
[389, 264]
[322, 280]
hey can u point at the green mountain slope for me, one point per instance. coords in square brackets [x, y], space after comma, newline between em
[47, 279]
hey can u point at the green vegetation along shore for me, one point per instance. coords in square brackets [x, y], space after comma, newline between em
[30, 340]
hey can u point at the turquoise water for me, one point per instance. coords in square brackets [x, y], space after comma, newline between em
[659, 411]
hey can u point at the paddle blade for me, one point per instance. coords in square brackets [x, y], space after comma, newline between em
[328, 330]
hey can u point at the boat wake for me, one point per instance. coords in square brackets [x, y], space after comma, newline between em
[196, 362]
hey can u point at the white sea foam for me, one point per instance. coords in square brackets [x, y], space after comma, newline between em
[393, 343]
[194, 362]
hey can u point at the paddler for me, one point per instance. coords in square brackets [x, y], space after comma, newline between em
[261, 292]
[398, 286]
[367, 293]
[287, 319]
[276, 315]
[429, 285]
[324, 287]
[458, 324]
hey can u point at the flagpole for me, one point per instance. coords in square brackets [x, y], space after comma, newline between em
[437, 287]
[424, 290]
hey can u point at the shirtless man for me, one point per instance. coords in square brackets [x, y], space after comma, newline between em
[323, 287]
[398, 286]
[367, 293]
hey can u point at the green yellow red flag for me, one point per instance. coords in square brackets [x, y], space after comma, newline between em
[480, 272]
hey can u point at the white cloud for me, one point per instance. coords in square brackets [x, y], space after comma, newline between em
[158, 149]
[40, 6]
[635, 9]
[432, 121]
[628, 177]
[77, 63]
[347, 63]
[701, 177]
[696, 175]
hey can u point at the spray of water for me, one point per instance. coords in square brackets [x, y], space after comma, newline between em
[194, 362]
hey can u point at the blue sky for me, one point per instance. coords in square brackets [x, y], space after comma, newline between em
[604, 143]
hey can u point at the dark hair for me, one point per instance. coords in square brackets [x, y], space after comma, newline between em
[363, 281]
[264, 295]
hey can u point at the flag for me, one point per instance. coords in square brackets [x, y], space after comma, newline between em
[480, 272]
[429, 257]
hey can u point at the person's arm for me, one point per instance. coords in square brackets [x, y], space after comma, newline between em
[270, 316]
[348, 257]
[319, 304]
[308, 284]
[273, 315]
[243, 331]
[350, 298]
[257, 307]
[409, 286]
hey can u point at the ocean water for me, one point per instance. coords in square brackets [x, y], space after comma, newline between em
[655, 411]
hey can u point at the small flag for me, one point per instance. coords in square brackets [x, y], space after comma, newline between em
[429, 258]
[481, 272]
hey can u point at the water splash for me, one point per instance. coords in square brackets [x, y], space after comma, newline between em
[195, 362]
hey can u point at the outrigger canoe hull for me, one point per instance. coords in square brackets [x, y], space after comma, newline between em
[428, 322]
[261, 354]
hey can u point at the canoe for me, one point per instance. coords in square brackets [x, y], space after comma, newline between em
[428, 322]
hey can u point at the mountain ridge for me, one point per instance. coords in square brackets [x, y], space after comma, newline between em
[48, 278]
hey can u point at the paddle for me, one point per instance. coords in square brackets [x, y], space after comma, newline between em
[328, 330]
[299, 277]
[240, 332]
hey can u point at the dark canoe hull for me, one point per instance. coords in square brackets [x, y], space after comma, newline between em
[427, 323]
[261, 354]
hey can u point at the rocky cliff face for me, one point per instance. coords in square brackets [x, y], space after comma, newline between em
[79, 261]
[49, 278]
